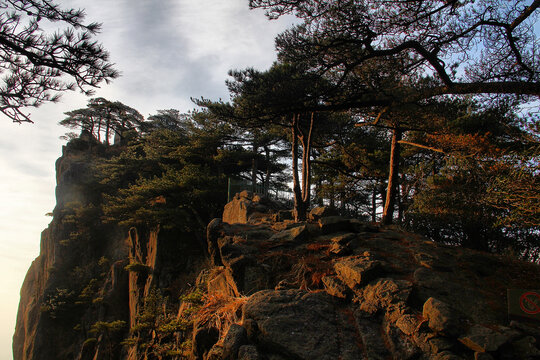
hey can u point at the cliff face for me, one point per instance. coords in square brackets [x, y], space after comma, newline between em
[80, 297]
[262, 287]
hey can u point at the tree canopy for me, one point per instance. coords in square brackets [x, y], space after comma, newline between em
[481, 46]
[38, 66]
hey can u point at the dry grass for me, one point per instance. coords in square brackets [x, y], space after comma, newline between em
[309, 271]
[318, 247]
[221, 311]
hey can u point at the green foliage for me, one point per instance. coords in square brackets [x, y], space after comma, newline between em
[195, 297]
[40, 61]
[59, 303]
[161, 330]
[105, 119]
[107, 327]
[138, 268]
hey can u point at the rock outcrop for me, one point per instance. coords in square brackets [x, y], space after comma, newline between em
[336, 288]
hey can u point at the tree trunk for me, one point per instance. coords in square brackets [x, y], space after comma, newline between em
[99, 130]
[267, 176]
[107, 132]
[388, 212]
[374, 204]
[299, 208]
[254, 168]
[306, 165]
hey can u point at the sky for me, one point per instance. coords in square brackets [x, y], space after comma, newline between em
[167, 51]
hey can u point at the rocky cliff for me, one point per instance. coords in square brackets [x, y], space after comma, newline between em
[263, 287]
[85, 290]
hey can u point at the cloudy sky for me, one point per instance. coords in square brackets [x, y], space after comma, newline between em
[167, 51]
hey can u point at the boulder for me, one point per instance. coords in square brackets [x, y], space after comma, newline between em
[290, 237]
[334, 287]
[297, 324]
[408, 324]
[237, 211]
[382, 293]
[236, 337]
[442, 318]
[357, 270]
[482, 339]
[246, 206]
[221, 281]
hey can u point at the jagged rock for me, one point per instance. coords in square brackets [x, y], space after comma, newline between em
[300, 325]
[382, 293]
[321, 211]
[246, 207]
[212, 236]
[535, 331]
[408, 324]
[359, 315]
[421, 339]
[238, 209]
[236, 337]
[221, 281]
[234, 254]
[248, 352]
[443, 318]
[357, 270]
[290, 237]
[334, 287]
[398, 344]
[482, 339]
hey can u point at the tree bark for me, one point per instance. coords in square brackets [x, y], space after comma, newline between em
[374, 204]
[299, 208]
[306, 165]
[388, 212]
[254, 168]
[267, 177]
